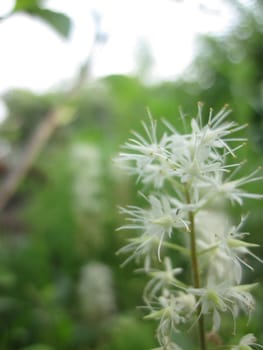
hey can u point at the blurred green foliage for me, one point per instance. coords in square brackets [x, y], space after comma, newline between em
[64, 214]
[58, 21]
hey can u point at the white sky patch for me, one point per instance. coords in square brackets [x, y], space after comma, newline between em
[33, 56]
[6, 6]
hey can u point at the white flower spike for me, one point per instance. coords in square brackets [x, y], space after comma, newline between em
[187, 177]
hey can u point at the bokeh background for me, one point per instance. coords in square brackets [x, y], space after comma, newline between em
[74, 82]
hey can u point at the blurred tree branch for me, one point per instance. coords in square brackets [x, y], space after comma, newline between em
[28, 156]
[46, 127]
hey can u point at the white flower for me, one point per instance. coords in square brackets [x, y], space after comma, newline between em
[192, 164]
[219, 298]
[195, 156]
[214, 133]
[222, 267]
[212, 301]
[209, 225]
[140, 247]
[162, 279]
[225, 246]
[146, 157]
[155, 224]
[154, 173]
[241, 298]
[171, 310]
[230, 189]
[233, 245]
[247, 343]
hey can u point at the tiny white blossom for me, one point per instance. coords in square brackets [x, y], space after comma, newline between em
[195, 155]
[232, 243]
[231, 189]
[155, 224]
[215, 133]
[227, 248]
[147, 157]
[191, 164]
[212, 301]
[219, 298]
[209, 226]
[155, 173]
[171, 310]
[248, 342]
[162, 279]
[241, 298]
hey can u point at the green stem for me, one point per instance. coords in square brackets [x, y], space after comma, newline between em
[195, 273]
[208, 250]
[177, 247]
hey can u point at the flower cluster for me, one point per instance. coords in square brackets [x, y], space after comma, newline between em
[185, 176]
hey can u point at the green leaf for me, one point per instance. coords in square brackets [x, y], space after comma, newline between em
[60, 22]
[25, 5]
[57, 20]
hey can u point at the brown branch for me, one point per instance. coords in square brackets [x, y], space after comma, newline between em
[28, 156]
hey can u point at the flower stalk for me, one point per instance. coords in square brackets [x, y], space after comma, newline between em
[196, 274]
